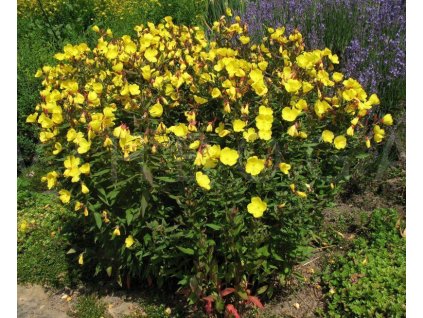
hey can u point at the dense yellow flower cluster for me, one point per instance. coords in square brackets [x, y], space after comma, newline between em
[171, 83]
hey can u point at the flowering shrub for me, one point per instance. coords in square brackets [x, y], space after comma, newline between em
[200, 162]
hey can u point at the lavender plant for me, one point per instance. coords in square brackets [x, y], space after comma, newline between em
[368, 35]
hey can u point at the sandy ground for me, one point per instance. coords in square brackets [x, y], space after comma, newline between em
[35, 302]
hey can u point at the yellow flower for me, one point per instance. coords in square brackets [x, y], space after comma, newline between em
[221, 131]
[292, 86]
[134, 89]
[292, 131]
[307, 87]
[374, 100]
[238, 125]
[78, 206]
[265, 134]
[84, 188]
[256, 75]
[81, 259]
[340, 142]
[290, 114]
[216, 93]
[350, 131]
[156, 110]
[85, 168]
[51, 179]
[254, 165]
[337, 77]
[285, 167]
[32, 118]
[202, 180]
[368, 142]
[180, 131]
[321, 107]
[150, 55]
[58, 148]
[244, 39]
[303, 135]
[327, 136]
[257, 207]
[200, 100]
[262, 65]
[301, 194]
[228, 156]
[84, 146]
[194, 145]
[250, 135]
[116, 231]
[334, 58]
[129, 241]
[64, 196]
[23, 226]
[387, 120]
[379, 133]
[107, 142]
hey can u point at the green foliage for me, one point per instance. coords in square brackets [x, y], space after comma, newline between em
[42, 246]
[369, 279]
[32, 54]
[88, 307]
[214, 9]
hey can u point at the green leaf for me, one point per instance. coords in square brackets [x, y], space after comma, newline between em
[185, 250]
[166, 179]
[264, 251]
[362, 155]
[98, 220]
[147, 174]
[143, 205]
[214, 226]
[219, 305]
[242, 294]
[109, 271]
[129, 217]
[71, 251]
[262, 289]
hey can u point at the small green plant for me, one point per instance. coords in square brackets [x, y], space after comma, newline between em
[89, 307]
[369, 280]
[41, 245]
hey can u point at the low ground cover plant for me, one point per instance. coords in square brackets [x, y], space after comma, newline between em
[200, 163]
[369, 279]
